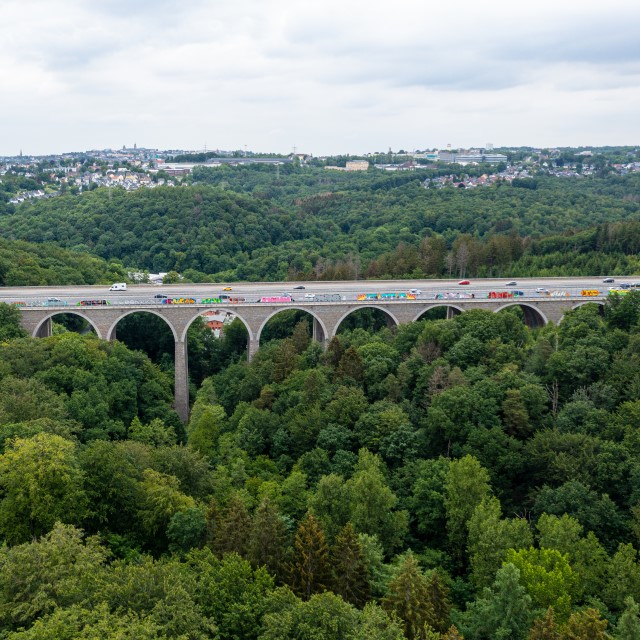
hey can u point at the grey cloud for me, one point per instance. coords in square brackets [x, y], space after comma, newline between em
[281, 69]
[611, 41]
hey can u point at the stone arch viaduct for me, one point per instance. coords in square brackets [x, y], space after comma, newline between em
[327, 317]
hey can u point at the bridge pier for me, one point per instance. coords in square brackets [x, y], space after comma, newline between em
[181, 380]
[253, 344]
[318, 333]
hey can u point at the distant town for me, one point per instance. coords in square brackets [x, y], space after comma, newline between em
[132, 168]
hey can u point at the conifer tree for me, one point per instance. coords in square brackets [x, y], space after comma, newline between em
[438, 594]
[334, 352]
[452, 633]
[515, 415]
[211, 516]
[351, 365]
[310, 571]
[231, 534]
[349, 569]
[408, 598]
[300, 336]
[545, 628]
[268, 539]
[285, 360]
[586, 625]
[629, 624]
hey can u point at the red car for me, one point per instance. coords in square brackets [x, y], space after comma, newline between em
[464, 282]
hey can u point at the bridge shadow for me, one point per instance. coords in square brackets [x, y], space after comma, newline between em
[367, 318]
[439, 312]
[62, 321]
[72, 322]
[150, 333]
[532, 317]
[599, 305]
[282, 324]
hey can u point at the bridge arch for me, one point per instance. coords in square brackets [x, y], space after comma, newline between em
[39, 327]
[600, 303]
[316, 319]
[452, 310]
[345, 315]
[582, 303]
[112, 327]
[533, 317]
[247, 326]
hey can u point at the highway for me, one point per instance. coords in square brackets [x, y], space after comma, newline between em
[531, 288]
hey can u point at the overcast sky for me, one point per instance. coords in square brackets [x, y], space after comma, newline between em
[336, 76]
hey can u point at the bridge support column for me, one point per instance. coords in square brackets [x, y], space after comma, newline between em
[318, 334]
[253, 344]
[181, 391]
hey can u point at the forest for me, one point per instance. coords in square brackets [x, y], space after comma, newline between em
[463, 478]
[451, 478]
[304, 223]
[28, 263]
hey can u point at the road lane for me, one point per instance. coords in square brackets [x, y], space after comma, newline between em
[446, 290]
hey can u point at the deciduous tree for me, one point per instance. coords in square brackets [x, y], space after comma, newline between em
[467, 484]
[40, 483]
[490, 537]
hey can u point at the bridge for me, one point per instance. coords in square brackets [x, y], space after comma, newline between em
[329, 304]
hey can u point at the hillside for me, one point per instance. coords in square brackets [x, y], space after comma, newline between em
[30, 263]
[308, 225]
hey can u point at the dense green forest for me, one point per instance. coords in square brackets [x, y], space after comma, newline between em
[250, 224]
[449, 478]
[28, 263]
[466, 477]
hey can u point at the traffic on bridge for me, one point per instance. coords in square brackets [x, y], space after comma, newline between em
[307, 293]
[329, 303]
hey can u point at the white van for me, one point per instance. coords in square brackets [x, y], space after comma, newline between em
[118, 286]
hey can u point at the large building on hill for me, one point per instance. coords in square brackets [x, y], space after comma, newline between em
[465, 157]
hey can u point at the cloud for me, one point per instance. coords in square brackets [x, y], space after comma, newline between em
[361, 74]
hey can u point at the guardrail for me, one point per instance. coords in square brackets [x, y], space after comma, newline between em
[332, 297]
